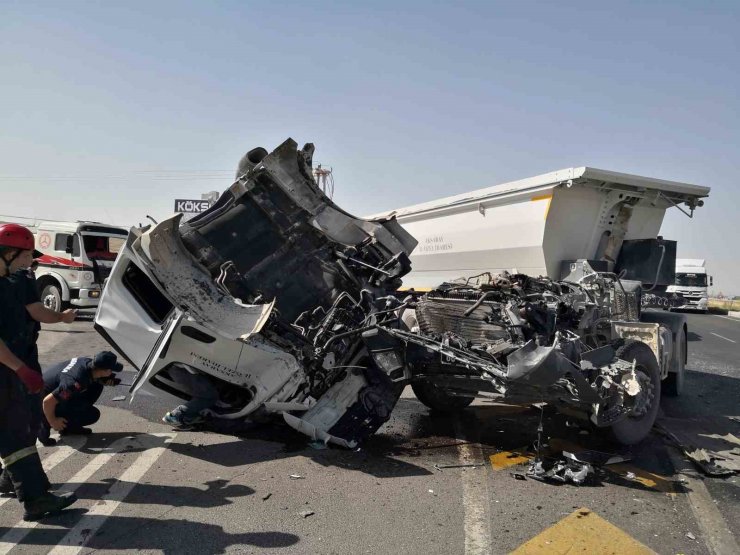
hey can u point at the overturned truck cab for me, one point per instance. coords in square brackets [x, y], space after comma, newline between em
[290, 306]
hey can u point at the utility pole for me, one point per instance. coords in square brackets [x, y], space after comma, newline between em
[325, 180]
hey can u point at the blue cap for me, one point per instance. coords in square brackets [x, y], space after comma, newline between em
[107, 361]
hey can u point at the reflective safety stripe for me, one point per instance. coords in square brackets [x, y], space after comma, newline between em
[18, 455]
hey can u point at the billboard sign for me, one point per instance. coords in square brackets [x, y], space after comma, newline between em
[192, 206]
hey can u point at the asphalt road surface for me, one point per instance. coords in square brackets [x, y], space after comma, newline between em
[145, 487]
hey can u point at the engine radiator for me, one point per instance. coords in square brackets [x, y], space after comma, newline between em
[436, 316]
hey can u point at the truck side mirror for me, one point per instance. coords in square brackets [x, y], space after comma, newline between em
[70, 244]
[711, 280]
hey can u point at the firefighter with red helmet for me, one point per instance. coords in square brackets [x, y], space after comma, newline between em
[22, 472]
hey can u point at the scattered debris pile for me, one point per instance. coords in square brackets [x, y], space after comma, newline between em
[714, 454]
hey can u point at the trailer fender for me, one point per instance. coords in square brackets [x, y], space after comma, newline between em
[675, 322]
[50, 277]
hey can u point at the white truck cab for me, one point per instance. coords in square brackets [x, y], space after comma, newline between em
[76, 259]
[691, 283]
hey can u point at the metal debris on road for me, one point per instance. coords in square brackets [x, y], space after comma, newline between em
[297, 477]
[470, 465]
[306, 514]
[119, 398]
[712, 453]
[596, 458]
[567, 469]
[690, 536]
[518, 476]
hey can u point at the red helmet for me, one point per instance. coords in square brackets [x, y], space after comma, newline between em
[17, 237]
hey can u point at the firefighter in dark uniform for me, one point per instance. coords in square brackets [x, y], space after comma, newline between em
[22, 472]
[32, 359]
[73, 387]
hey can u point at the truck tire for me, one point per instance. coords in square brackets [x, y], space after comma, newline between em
[429, 394]
[674, 381]
[438, 399]
[634, 428]
[51, 297]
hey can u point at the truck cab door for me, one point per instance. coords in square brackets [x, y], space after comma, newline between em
[133, 314]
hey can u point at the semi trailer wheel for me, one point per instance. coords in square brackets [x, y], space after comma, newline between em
[674, 381]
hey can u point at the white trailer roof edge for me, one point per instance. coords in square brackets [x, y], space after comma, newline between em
[539, 183]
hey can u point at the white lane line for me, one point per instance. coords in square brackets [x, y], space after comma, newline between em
[726, 317]
[476, 520]
[72, 444]
[715, 531]
[21, 529]
[723, 337]
[89, 524]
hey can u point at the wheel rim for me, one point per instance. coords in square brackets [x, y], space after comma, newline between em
[50, 302]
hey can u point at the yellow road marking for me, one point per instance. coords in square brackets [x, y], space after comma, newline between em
[647, 479]
[505, 459]
[583, 531]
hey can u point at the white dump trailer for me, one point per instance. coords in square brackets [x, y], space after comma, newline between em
[533, 225]
[564, 225]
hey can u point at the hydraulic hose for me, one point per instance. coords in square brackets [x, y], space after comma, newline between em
[657, 272]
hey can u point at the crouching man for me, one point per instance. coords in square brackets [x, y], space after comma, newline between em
[73, 387]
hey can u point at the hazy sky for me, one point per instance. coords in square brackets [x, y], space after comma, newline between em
[109, 112]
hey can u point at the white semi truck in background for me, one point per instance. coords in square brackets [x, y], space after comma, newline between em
[565, 225]
[76, 259]
[692, 284]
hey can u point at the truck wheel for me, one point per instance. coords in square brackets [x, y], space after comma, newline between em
[438, 399]
[429, 394]
[635, 427]
[673, 384]
[51, 297]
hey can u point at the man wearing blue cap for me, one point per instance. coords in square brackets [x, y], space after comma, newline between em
[73, 387]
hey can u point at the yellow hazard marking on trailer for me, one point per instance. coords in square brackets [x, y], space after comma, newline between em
[548, 198]
[583, 531]
[416, 289]
[505, 459]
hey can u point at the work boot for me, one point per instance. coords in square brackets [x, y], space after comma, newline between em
[76, 431]
[6, 486]
[44, 433]
[46, 505]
